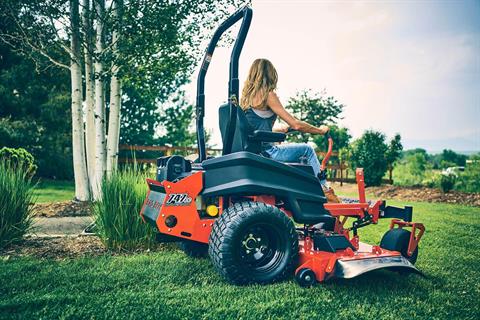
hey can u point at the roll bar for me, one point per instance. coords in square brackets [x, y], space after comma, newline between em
[233, 83]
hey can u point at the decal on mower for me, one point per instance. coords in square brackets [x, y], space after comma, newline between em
[178, 199]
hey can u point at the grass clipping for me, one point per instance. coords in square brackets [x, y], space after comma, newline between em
[16, 203]
[119, 224]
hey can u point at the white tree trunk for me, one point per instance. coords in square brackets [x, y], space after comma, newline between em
[78, 143]
[99, 111]
[115, 97]
[90, 90]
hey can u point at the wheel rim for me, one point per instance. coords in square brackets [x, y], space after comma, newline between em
[261, 248]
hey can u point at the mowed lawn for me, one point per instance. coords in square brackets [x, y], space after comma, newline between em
[54, 190]
[168, 285]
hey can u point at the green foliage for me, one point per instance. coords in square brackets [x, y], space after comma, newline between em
[34, 102]
[163, 43]
[469, 180]
[341, 138]
[162, 284]
[16, 199]
[177, 120]
[117, 214]
[316, 109]
[447, 182]
[368, 152]
[394, 150]
[411, 170]
[451, 157]
[19, 159]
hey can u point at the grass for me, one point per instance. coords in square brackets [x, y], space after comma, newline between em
[54, 191]
[122, 194]
[169, 285]
[16, 192]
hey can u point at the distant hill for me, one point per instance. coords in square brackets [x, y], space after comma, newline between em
[465, 145]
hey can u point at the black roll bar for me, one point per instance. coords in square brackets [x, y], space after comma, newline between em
[233, 83]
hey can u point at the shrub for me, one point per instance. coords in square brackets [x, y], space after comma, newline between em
[469, 180]
[16, 199]
[368, 152]
[117, 214]
[447, 181]
[411, 171]
[19, 158]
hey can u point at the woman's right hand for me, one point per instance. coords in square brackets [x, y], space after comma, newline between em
[324, 129]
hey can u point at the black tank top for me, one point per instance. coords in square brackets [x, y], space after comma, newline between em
[261, 120]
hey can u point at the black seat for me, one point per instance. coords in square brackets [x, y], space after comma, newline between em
[247, 139]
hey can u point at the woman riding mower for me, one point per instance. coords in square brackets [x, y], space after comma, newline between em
[262, 107]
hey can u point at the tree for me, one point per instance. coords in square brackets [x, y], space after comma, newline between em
[450, 158]
[393, 153]
[340, 135]
[314, 108]
[177, 120]
[368, 152]
[34, 100]
[153, 50]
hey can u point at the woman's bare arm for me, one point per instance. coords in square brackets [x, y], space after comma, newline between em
[274, 103]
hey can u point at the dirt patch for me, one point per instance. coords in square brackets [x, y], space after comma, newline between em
[69, 247]
[63, 209]
[57, 248]
[425, 194]
[422, 194]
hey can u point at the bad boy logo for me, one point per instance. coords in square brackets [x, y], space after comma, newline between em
[178, 199]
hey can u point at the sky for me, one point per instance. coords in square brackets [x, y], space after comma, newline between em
[411, 67]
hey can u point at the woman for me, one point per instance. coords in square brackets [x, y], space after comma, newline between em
[262, 107]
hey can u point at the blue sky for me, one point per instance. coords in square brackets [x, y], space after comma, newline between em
[411, 67]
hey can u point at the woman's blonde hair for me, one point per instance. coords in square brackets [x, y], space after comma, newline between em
[262, 78]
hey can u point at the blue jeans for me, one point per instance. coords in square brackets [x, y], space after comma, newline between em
[292, 152]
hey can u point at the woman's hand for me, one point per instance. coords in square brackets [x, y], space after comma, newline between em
[276, 106]
[324, 129]
[280, 128]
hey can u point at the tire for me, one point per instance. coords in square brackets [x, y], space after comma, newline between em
[253, 242]
[305, 277]
[397, 240]
[194, 249]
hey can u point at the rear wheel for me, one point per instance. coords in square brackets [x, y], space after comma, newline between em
[194, 249]
[397, 240]
[253, 243]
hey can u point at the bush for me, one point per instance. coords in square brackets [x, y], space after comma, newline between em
[16, 200]
[19, 158]
[447, 181]
[368, 152]
[411, 171]
[119, 224]
[469, 180]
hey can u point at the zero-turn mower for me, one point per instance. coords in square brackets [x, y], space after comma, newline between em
[261, 220]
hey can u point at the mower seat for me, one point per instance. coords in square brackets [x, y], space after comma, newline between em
[247, 139]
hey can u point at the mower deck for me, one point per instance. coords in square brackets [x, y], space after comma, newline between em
[348, 263]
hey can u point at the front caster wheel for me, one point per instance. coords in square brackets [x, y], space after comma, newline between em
[397, 240]
[305, 277]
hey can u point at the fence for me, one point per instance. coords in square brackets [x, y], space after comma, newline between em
[338, 172]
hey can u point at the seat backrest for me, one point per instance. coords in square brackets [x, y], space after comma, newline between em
[242, 130]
